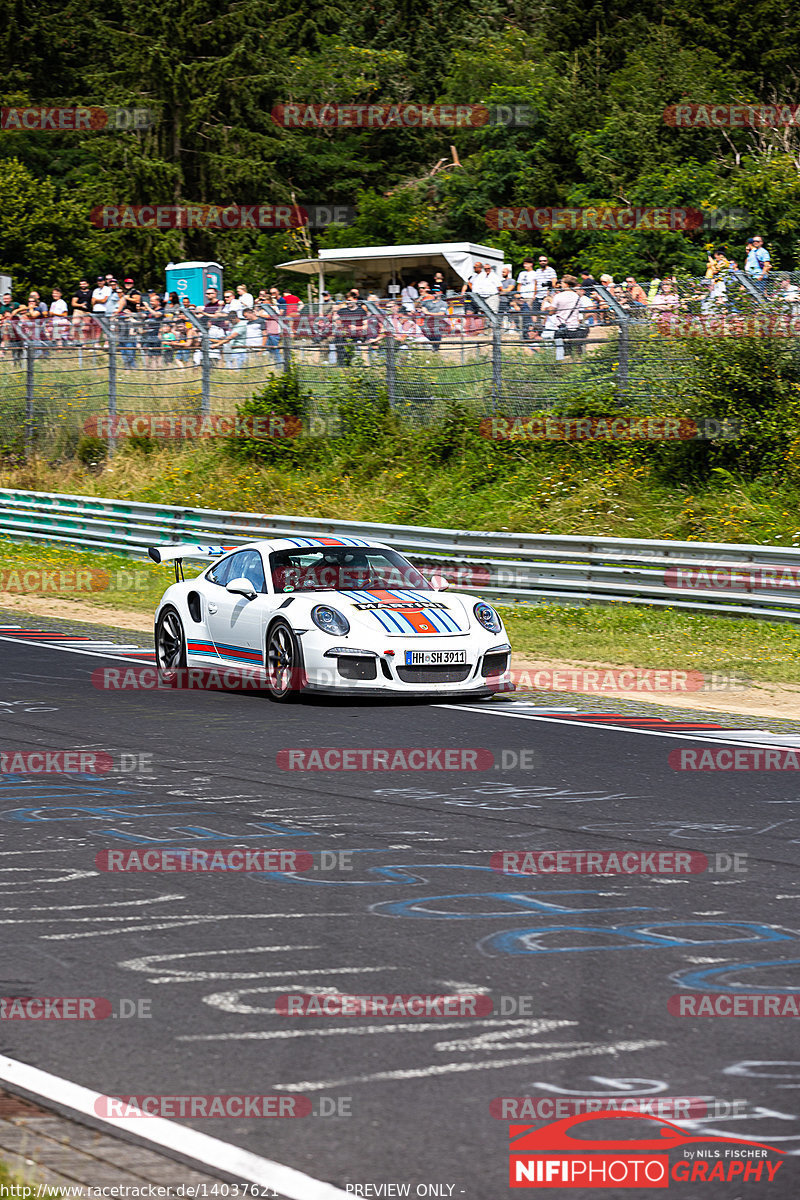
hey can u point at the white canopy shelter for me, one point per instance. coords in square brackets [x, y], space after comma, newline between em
[376, 267]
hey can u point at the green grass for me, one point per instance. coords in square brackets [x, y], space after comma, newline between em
[606, 491]
[624, 635]
[9, 1179]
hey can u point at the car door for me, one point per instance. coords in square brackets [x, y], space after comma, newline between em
[237, 625]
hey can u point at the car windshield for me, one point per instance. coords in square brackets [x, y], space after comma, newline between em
[343, 568]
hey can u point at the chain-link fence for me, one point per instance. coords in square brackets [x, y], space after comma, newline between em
[164, 372]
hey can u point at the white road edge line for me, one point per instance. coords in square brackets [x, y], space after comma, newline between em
[71, 649]
[466, 708]
[200, 1147]
[709, 737]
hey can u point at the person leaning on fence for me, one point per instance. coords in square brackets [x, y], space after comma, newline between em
[758, 263]
[569, 330]
[506, 289]
[484, 283]
[151, 332]
[59, 320]
[435, 324]
[349, 328]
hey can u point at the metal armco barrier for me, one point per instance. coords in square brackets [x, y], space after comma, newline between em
[734, 580]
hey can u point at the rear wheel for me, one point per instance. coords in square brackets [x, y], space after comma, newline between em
[170, 641]
[284, 663]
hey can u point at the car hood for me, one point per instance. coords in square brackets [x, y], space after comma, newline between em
[403, 613]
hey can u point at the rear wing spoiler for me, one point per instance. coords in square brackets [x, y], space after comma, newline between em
[173, 550]
[177, 551]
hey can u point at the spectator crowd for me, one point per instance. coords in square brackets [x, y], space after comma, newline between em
[154, 329]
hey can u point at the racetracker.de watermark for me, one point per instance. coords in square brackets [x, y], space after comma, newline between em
[404, 758]
[647, 680]
[733, 579]
[162, 425]
[74, 762]
[723, 1004]
[220, 217]
[58, 581]
[735, 758]
[731, 116]
[218, 1106]
[75, 120]
[606, 219]
[235, 860]
[71, 1008]
[607, 429]
[387, 1004]
[777, 325]
[557, 1108]
[408, 115]
[617, 862]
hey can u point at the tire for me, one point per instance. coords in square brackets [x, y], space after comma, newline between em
[170, 641]
[284, 663]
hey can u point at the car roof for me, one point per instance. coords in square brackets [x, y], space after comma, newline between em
[304, 543]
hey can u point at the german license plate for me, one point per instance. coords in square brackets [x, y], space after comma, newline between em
[434, 658]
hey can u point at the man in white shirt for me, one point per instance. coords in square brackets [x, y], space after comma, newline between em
[484, 283]
[100, 294]
[545, 277]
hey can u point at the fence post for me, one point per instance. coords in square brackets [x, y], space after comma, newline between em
[624, 357]
[205, 384]
[110, 329]
[385, 322]
[496, 326]
[30, 384]
[286, 342]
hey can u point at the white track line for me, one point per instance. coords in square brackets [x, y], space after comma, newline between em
[738, 738]
[203, 1149]
[69, 649]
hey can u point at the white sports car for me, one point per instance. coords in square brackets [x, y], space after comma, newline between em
[337, 615]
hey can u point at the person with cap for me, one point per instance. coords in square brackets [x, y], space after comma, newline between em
[758, 263]
[130, 299]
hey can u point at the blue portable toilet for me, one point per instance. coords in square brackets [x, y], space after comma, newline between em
[193, 279]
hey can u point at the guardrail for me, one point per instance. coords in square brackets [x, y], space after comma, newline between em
[511, 567]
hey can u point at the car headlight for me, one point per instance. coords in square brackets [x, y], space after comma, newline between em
[487, 617]
[330, 620]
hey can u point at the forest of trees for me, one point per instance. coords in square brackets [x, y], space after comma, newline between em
[598, 75]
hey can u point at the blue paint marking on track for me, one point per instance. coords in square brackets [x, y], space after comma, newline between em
[707, 980]
[634, 937]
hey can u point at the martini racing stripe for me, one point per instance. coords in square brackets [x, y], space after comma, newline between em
[202, 648]
[442, 614]
[433, 614]
[300, 543]
[240, 653]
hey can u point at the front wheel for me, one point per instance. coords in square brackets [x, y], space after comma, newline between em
[170, 641]
[284, 663]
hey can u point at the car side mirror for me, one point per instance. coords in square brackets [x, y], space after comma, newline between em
[440, 584]
[241, 587]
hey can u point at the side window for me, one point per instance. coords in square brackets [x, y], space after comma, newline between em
[248, 565]
[221, 572]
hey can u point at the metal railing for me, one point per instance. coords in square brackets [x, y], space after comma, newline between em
[59, 375]
[742, 580]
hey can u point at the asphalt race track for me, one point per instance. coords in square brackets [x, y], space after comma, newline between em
[579, 967]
